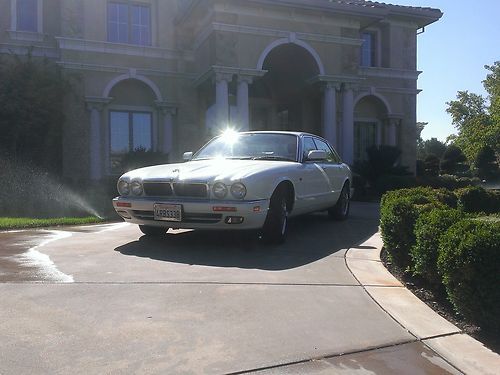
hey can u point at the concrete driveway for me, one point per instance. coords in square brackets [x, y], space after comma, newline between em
[105, 299]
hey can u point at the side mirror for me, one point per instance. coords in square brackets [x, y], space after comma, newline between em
[187, 156]
[317, 155]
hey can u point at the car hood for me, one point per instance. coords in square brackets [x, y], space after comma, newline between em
[208, 170]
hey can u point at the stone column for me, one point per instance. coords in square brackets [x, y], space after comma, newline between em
[378, 129]
[242, 103]
[330, 113]
[392, 124]
[221, 100]
[348, 124]
[95, 107]
[168, 111]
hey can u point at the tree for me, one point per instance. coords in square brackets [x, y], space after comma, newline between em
[431, 146]
[452, 161]
[486, 163]
[31, 111]
[477, 119]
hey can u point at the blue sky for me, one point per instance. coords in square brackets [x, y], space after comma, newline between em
[452, 53]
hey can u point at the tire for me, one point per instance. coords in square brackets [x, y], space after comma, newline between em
[341, 209]
[152, 231]
[275, 226]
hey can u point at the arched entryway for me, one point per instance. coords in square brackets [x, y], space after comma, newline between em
[132, 120]
[371, 114]
[285, 97]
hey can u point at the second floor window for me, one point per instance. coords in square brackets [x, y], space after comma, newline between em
[368, 50]
[27, 15]
[129, 23]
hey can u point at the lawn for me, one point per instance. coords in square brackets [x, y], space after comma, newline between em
[26, 222]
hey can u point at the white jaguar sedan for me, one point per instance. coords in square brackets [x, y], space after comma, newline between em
[237, 181]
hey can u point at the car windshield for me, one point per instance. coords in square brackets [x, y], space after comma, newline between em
[256, 146]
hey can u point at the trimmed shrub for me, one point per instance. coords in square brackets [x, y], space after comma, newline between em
[469, 263]
[447, 181]
[387, 183]
[398, 213]
[477, 199]
[429, 228]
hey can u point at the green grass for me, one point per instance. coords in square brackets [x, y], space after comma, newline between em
[26, 222]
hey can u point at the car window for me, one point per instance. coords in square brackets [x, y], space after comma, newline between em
[258, 146]
[308, 145]
[330, 154]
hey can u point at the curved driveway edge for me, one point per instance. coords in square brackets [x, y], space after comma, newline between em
[458, 349]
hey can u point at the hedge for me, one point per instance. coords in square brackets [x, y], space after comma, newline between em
[477, 199]
[469, 263]
[429, 228]
[399, 211]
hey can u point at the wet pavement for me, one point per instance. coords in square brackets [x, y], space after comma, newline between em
[106, 299]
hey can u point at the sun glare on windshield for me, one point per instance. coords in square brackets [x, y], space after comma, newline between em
[230, 136]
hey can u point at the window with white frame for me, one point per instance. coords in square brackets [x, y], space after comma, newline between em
[368, 49]
[26, 16]
[129, 131]
[129, 22]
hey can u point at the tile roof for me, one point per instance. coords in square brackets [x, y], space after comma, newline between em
[379, 5]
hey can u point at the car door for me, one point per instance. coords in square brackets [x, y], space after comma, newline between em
[312, 184]
[333, 169]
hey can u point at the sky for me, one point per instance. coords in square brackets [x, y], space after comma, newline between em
[452, 53]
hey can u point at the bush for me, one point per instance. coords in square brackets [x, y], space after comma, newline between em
[398, 213]
[387, 183]
[139, 158]
[429, 228]
[447, 181]
[477, 199]
[469, 263]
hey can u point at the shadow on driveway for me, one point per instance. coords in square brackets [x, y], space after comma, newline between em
[310, 238]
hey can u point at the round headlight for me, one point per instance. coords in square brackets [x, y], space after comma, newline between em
[219, 190]
[136, 187]
[123, 187]
[238, 190]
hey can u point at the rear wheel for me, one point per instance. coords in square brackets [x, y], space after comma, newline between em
[275, 226]
[152, 231]
[341, 209]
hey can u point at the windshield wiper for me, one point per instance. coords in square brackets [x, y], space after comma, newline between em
[272, 157]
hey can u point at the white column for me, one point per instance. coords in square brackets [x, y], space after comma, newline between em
[348, 125]
[168, 130]
[379, 134]
[391, 133]
[221, 101]
[330, 114]
[242, 103]
[95, 141]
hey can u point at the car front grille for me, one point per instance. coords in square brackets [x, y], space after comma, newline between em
[190, 190]
[179, 189]
[158, 189]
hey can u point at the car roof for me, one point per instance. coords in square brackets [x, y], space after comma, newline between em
[289, 132]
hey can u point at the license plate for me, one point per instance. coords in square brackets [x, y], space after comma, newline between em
[168, 212]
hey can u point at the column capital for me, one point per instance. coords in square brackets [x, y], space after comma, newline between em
[223, 76]
[346, 86]
[330, 85]
[393, 120]
[245, 78]
[166, 107]
[96, 102]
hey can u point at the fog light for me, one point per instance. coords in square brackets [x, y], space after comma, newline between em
[234, 220]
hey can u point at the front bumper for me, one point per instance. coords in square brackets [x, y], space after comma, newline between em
[196, 214]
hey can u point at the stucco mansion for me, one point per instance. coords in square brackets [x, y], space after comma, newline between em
[165, 75]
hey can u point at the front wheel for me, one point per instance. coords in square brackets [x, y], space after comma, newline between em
[341, 209]
[275, 226]
[152, 231]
